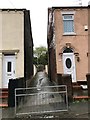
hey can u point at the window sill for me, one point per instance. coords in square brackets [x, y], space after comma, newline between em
[69, 34]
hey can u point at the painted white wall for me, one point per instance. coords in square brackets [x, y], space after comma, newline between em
[46, 69]
[0, 50]
[0, 70]
[35, 69]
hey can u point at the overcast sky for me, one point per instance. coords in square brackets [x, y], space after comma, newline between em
[38, 14]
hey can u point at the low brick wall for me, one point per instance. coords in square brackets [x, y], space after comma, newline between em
[65, 79]
[14, 83]
[88, 83]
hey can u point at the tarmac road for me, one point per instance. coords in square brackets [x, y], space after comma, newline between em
[78, 110]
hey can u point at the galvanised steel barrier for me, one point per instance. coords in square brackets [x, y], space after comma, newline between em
[37, 100]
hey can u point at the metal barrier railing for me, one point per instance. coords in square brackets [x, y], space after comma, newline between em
[36, 100]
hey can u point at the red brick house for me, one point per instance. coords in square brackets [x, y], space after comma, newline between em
[68, 28]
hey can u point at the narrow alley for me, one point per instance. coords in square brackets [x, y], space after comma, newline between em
[43, 97]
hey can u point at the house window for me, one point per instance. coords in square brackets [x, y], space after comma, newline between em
[9, 67]
[68, 23]
[68, 63]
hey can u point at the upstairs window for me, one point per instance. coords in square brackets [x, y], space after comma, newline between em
[68, 23]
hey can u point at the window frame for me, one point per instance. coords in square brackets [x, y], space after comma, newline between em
[72, 14]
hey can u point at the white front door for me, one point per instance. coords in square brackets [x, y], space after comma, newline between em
[69, 65]
[8, 69]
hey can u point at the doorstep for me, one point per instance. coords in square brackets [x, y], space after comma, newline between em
[3, 105]
[81, 97]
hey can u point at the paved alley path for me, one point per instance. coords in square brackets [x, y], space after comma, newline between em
[42, 97]
[41, 78]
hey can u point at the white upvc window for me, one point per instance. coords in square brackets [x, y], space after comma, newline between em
[68, 23]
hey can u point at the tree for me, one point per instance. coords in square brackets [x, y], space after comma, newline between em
[40, 56]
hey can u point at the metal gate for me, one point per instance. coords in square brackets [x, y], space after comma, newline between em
[38, 100]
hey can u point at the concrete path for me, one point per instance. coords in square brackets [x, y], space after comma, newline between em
[42, 99]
